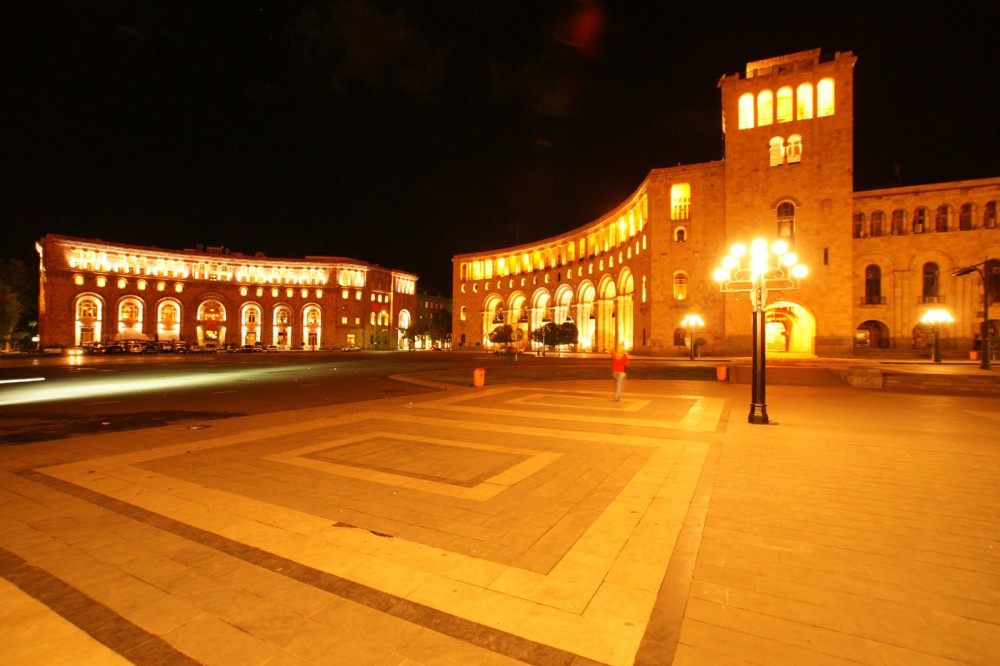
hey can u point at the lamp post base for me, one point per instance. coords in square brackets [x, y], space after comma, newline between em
[758, 414]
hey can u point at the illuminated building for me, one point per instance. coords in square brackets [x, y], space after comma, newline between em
[93, 291]
[876, 259]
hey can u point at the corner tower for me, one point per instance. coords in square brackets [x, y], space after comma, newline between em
[789, 130]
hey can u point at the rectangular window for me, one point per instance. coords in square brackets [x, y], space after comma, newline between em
[680, 201]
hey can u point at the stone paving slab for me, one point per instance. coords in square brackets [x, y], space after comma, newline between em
[539, 523]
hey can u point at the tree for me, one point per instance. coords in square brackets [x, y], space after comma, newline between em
[16, 297]
[502, 335]
[567, 334]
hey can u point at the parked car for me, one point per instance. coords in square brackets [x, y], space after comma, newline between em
[271, 348]
[350, 348]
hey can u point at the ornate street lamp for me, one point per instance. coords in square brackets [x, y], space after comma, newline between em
[934, 318]
[984, 327]
[691, 322]
[754, 272]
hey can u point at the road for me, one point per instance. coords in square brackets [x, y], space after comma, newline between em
[51, 397]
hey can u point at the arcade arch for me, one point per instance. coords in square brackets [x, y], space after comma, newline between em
[789, 327]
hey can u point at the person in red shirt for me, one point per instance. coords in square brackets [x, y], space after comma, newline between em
[619, 359]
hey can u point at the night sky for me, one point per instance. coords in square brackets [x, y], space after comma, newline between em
[404, 132]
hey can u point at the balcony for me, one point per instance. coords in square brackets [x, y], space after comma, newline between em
[869, 301]
[930, 300]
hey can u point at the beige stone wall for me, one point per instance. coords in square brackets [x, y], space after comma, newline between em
[901, 259]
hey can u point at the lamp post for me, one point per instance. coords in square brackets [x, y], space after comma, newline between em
[691, 322]
[934, 318]
[754, 272]
[984, 327]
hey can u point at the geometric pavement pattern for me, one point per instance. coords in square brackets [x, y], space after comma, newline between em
[535, 522]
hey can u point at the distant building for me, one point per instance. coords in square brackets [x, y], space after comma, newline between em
[93, 291]
[433, 324]
[877, 259]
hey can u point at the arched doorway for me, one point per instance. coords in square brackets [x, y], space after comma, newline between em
[872, 334]
[211, 323]
[789, 328]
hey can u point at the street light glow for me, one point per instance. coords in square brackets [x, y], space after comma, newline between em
[771, 267]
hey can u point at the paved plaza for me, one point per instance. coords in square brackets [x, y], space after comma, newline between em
[538, 523]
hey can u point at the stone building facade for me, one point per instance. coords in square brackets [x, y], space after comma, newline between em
[633, 274]
[92, 291]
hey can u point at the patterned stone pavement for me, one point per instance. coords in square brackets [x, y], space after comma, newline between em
[537, 523]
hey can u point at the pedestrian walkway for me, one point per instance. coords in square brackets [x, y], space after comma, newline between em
[538, 523]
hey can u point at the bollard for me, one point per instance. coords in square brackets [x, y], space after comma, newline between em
[479, 377]
[721, 373]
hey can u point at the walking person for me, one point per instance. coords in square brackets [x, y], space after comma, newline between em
[619, 359]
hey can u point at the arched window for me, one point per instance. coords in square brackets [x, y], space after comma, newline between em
[680, 286]
[965, 216]
[919, 220]
[86, 308]
[777, 151]
[786, 220]
[804, 102]
[794, 151]
[462, 313]
[785, 110]
[859, 225]
[930, 283]
[746, 111]
[990, 215]
[941, 218]
[680, 235]
[168, 313]
[877, 227]
[824, 95]
[130, 312]
[898, 222]
[873, 285]
[765, 108]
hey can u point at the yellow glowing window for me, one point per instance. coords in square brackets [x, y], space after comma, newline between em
[680, 286]
[78, 280]
[86, 309]
[804, 102]
[130, 311]
[168, 314]
[765, 108]
[680, 201]
[178, 287]
[794, 150]
[746, 111]
[784, 104]
[343, 320]
[824, 95]
[776, 151]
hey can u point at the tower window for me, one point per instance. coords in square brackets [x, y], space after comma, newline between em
[786, 220]
[794, 151]
[765, 108]
[746, 111]
[680, 286]
[680, 201]
[804, 102]
[776, 151]
[824, 94]
[785, 105]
